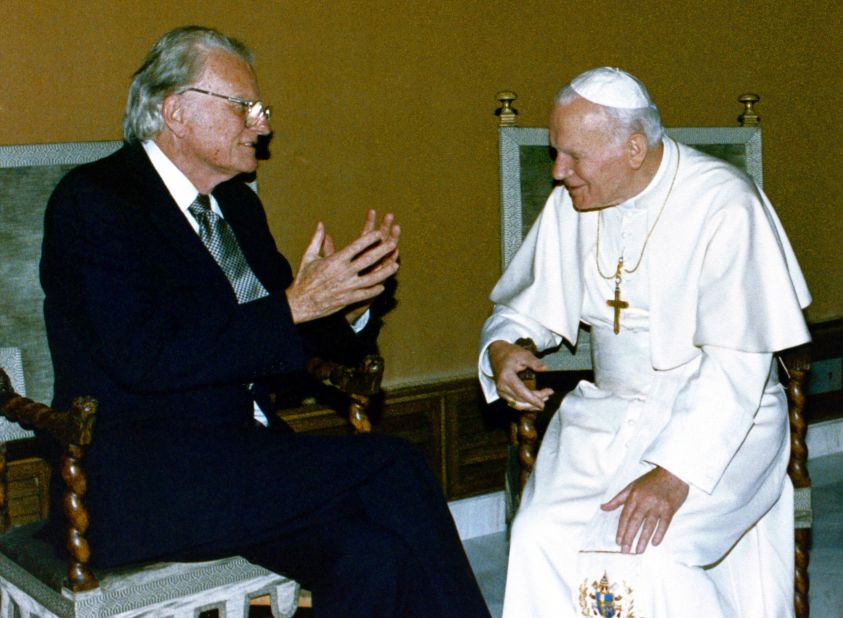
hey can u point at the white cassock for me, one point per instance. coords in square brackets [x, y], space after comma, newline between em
[688, 384]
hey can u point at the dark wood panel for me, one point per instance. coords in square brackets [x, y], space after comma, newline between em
[316, 419]
[827, 343]
[477, 446]
[29, 481]
[416, 417]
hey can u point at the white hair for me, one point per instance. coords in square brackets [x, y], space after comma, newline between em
[625, 121]
[173, 64]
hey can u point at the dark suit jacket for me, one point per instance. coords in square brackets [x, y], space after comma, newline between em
[140, 316]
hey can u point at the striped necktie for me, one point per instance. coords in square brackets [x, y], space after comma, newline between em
[219, 238]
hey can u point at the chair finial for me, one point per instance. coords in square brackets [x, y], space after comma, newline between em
[749, 117]
[506, 112]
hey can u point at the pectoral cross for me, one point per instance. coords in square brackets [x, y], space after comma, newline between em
[617, 304]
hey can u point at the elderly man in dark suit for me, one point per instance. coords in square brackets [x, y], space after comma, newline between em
[167, 300]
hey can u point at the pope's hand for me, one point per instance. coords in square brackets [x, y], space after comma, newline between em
[649, 504]
[329, 281]
[507, 360]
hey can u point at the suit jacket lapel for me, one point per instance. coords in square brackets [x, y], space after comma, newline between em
[163, 214]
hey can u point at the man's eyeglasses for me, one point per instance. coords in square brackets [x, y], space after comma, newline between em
[255, 110]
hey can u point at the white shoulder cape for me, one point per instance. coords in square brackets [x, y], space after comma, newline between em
[721, 269]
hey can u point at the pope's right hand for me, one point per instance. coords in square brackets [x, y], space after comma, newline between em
[507, 361]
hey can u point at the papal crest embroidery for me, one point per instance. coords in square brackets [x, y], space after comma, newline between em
[606, 600]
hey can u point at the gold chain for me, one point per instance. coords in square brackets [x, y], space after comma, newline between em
[617, 274]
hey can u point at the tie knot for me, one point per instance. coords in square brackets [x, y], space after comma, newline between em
[203, 200]
[200, 208]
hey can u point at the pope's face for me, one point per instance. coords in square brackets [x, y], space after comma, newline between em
[589, 162]
[217, 143]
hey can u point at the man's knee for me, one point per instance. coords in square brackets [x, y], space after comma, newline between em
[403, 458]
[395, 447]
[367, 551]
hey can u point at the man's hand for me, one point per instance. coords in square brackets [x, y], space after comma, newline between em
[649, 503]
[507, 360]
[354, 312]
[328, 280]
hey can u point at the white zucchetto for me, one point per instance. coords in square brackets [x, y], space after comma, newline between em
[611, 87]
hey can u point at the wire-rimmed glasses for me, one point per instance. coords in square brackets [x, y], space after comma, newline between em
[255, 110]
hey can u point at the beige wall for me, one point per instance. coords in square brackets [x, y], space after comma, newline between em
[389, 104]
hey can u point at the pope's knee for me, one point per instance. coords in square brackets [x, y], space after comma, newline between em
[532, 526]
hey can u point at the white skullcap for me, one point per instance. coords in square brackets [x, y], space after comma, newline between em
[611, 87]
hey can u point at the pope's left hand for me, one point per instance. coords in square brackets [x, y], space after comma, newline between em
[649, 504]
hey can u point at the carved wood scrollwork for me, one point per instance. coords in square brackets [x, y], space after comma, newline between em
[360, 383]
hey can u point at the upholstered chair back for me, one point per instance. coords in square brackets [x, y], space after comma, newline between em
[28, 175]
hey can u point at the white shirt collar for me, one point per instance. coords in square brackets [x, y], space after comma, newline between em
[177, 183]
[668, 158]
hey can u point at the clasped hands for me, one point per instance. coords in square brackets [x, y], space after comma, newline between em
[649, 502]
[329, 281]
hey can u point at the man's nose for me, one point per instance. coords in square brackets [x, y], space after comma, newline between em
[262, 126]
[561, 167]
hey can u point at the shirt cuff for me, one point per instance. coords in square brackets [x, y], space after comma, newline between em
[361, 322]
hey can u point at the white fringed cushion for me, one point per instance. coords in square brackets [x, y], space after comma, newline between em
[171, 590]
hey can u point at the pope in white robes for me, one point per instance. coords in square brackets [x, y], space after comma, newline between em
[660, 489]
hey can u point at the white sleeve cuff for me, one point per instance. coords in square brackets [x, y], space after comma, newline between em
[361, 322]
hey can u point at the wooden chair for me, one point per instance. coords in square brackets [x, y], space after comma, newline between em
[525, 184]
[35, 582]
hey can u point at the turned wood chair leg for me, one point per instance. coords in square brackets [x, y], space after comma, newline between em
[797, 369]
[800, 598]
[357, 414]
[79, 578]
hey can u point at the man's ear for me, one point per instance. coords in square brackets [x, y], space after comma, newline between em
[636, 150]
[174, 114]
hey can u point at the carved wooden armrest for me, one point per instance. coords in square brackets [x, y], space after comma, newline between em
[360, 383]
[525, 435]
[73, 430]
